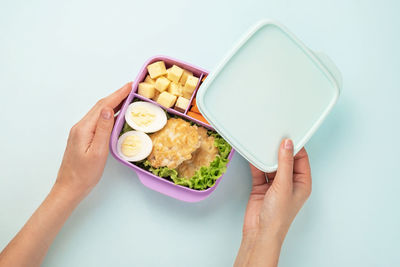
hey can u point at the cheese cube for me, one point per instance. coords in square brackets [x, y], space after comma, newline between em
[174, 73]
[184, 76]
[156, 95]
[162, 84]
[146, 90]
[175, 89]
[190, 84]
[186, 95]
[157, 69]
[166, 99]
[149, 80]
[181, 104]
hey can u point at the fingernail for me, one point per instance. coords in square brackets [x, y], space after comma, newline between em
[106, 114]
[288, 144]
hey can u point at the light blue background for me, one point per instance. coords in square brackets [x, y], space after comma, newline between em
[57, 58]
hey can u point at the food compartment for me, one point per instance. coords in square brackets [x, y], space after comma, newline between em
[170, 84]
[192, 110]
[195, 154]
[166, 180]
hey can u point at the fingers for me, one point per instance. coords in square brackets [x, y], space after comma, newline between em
[301, 163]
[89, 122]
[284, 173]
[102, 133]
[258, 176]
[302, 175]
[113, 101]
[118, 108]
[271, 176]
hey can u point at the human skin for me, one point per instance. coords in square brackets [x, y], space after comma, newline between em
[272, 206]
[81, 169]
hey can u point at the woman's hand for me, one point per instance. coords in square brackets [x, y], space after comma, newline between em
[272, 206]
[88, 145]
[81, 169]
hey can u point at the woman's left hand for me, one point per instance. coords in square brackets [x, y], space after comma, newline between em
[88, 145]
[81, 169]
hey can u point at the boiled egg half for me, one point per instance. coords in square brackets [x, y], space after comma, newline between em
[145, 117]
[134, 146]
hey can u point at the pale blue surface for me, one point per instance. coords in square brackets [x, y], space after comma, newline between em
[57, 59]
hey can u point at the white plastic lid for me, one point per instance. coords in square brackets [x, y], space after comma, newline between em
[269, 87]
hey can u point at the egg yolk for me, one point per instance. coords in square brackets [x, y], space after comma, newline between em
[142, 116]
[131, 146]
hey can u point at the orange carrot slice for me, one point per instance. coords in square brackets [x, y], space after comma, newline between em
[194, 107]
[197, 116]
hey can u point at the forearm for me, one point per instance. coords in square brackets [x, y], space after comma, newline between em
[266, 251]
[30, 245]
[259, 249]
[246, 247]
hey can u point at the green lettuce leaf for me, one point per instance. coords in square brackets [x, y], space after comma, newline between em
[125, 129]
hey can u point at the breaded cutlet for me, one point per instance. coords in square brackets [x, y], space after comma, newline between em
[203, 156]
[174, 144]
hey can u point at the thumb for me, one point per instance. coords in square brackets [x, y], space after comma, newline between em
[284, 173]
[102, 134]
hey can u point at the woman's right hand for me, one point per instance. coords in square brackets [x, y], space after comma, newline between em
[272, 206]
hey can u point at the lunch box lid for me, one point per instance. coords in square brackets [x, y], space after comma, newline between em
[269, 87]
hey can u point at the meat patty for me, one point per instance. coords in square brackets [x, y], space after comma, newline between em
[203, 156]
[174, 144]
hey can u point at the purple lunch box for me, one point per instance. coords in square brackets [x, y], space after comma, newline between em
[150, 180]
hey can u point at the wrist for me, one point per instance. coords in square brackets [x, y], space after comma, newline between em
[68, 193]
[266, 235]
[272, 235]
[273, 232]
[259, 246]
[265, 250]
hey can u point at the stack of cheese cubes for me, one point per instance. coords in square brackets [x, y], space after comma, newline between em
[171, 87]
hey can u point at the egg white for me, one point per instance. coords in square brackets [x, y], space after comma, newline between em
[147, 146]
[158, 123]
